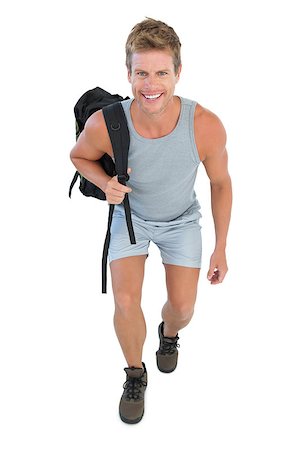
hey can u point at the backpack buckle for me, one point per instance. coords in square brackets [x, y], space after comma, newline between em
[123, 178]
[115, 126]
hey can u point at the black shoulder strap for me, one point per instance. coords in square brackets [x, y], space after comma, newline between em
[117, 127]
[116, 124]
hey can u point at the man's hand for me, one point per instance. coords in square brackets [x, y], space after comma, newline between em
[218, 267]
[115, 191]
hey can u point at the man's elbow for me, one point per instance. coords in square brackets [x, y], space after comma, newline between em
[74, 154]
[221, 184]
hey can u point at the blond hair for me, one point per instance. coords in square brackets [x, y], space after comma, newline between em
[153, 34]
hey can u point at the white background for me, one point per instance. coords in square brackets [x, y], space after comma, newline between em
[237, 382]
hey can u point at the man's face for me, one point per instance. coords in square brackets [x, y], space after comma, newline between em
[153, 80]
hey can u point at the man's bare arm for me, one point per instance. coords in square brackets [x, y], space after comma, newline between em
[92, 143]
[90, 146]
[216, 165]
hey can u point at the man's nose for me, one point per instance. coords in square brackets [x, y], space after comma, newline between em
[150, 81]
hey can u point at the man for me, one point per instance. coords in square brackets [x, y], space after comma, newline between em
[169, 137]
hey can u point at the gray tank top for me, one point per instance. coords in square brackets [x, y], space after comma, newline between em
[163, 169]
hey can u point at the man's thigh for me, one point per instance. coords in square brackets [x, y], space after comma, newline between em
[127, 275]
[182, 284]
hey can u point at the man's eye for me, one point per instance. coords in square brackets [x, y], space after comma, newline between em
[141, 74]
[162, 73]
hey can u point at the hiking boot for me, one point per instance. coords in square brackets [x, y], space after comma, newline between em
[131, 408]
[167, 354]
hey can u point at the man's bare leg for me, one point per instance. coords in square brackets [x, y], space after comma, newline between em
[127, 280]
[182, 285]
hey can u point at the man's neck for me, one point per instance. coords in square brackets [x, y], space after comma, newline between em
[156, 125]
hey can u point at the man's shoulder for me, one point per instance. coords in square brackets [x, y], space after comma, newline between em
[208, 121]
[201, 113]
[95, 125]
[96, 130]
[209, 130]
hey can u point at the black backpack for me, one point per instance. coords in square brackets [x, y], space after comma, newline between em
[115, 119]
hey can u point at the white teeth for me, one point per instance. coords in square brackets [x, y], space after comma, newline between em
[152, 96]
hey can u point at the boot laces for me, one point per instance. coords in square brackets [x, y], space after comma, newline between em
[169, 345]
[133, 387]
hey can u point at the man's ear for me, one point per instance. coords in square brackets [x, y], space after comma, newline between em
[129, 75]
[178, 73]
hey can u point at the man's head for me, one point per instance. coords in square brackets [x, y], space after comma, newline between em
[154, 64]
[153, 34]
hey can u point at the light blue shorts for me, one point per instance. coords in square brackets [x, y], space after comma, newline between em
[178, 240]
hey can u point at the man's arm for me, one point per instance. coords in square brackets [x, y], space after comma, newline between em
[92, 143]
[215, 160]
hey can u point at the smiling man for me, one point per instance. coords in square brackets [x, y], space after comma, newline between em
[153, 78]
[169, 137]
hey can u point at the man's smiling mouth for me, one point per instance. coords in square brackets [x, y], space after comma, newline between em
[152, 96]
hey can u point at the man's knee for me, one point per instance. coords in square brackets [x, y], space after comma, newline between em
[182, 310]
[126, 303]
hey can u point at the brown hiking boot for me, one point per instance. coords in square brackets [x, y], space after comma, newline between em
[131, 408]
[167, 354]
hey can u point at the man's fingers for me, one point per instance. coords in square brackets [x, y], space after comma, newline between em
[214, 276]
[119, 186]
[211, 273]
[218, 276]
[221, 276]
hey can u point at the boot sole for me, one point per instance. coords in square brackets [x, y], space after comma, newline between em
[131, 421]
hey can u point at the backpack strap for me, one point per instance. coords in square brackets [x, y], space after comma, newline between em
[116, 123]
[73, 182]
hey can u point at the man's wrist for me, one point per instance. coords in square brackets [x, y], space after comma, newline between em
[220, 246]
